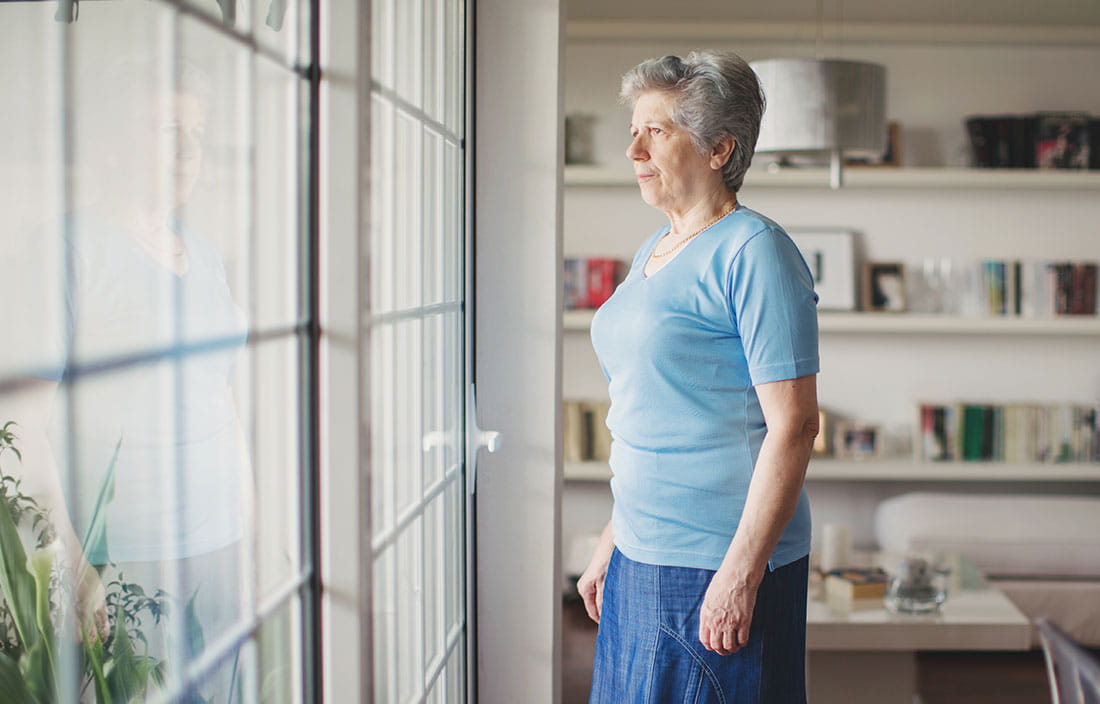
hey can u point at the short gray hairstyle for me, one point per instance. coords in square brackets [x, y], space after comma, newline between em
[716, 95]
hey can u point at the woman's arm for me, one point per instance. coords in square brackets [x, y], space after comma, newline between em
[590, 585]
[790, 411]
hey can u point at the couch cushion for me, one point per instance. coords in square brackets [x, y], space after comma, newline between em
[1004, 535]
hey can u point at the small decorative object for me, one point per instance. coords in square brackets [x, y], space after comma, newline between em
[857, 441]
[831, 258]
[890, 157]
[884, 286]
[580, 147]
[836, 547]
[846, 585]
[1063, 141]
[822, 445]
[916, 587]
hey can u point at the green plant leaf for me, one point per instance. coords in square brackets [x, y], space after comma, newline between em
[96, 535]
[41, 565]
[193, 629]
[12, 684]
[93, 650]
[16, 582]
[125, 677]
[38, 673]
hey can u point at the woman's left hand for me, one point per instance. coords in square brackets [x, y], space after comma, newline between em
[726, 614]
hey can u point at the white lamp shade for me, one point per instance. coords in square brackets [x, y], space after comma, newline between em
[822, 105]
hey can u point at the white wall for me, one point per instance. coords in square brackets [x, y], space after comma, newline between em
[517, 302]
[877, 378]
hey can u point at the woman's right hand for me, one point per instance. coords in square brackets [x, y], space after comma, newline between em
[590, 584]
[91, 601]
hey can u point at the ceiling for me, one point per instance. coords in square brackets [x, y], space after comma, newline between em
[988, 12]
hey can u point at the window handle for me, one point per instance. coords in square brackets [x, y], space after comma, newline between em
[477, 438]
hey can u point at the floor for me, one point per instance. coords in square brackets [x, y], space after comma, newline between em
[942, 678]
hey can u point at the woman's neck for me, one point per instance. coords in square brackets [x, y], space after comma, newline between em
[703, 211]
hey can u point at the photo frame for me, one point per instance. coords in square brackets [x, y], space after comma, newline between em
[856, 441]
[831, 258]
[883, 287]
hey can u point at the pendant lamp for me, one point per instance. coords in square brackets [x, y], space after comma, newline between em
[819, 106]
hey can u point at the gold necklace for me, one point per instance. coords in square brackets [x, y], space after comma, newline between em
[725, 211]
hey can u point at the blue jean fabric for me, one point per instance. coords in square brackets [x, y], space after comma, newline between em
[648, 649]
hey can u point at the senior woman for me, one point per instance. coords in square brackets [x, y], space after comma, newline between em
[710, 350]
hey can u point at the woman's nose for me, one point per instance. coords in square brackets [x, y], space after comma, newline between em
[188, 146]
[635, 151]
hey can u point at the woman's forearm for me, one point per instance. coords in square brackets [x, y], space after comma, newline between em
[771, 502]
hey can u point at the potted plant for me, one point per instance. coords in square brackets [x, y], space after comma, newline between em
[36, 614]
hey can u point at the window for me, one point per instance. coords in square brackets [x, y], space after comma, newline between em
[155, 180]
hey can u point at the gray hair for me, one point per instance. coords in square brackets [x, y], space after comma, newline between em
[716, 95]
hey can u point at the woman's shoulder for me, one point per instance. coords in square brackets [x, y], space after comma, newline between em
[745, 226]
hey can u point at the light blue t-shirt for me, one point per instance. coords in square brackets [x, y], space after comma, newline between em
[682, 351]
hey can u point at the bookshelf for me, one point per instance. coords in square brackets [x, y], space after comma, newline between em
[877, 367]
[862, 177]
[914, 324]
[900, 470]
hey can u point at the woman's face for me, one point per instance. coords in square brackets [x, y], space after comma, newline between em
[672, 174]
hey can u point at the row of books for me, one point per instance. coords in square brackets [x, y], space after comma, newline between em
[584, 431]
[589, 282]
[1037, 289]
[1009, 433]
[1064, 140]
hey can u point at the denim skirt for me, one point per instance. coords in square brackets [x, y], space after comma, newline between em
[648, 649]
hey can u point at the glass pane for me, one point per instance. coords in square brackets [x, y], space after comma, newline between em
[433, 59]
[410, 54]
[435, 220]
[454, 224]
[383, 41]
[407, 411]
[275, 240]
[281, 26]
[454, 562]
[409, 200]
[130, 181]
[270, 418]
[410, 627]
[455, 60]
[438, 443]
[384, 617]
[434, 587]
[381, 431]
[30, 169]
[278, 648]
[380, 274]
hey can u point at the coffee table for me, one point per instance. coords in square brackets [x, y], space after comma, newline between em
[866, 655]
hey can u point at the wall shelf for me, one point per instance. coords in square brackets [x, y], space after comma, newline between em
[906, 323]
[593, 471]
[900, 470]
[908, 470]
[865, 177]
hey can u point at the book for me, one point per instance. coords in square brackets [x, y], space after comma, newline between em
[1062, 141]
[856, 583]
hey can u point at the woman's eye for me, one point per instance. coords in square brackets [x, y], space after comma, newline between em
[656, 130]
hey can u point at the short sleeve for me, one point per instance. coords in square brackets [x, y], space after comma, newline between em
[773, 308]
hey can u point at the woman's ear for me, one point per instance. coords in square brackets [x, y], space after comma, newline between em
[721, 152]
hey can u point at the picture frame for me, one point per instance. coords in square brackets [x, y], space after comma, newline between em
[856, 441]
[831, 259]
[823, 446]
[883, 287]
